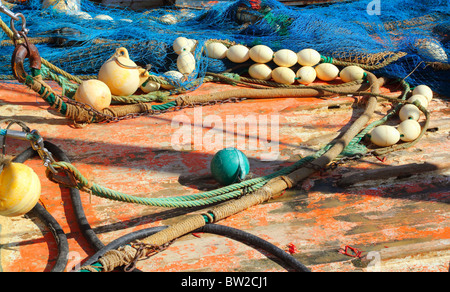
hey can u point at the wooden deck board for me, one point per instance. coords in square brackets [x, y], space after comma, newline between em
[405, 220]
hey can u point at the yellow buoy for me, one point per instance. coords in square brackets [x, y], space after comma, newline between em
[121, 74]
[409, 112]
[283, 75]
[384, 136]
[423, 90]
[94, 93]
[20, 189]
[422, 99]
[409, 130]
[186, 62]
[306, 75]
[308, 57]
[260, 71]
[261, 54]
[216, 50]
[285, 58]
[238, 54]
[327, 71]
[351, 73]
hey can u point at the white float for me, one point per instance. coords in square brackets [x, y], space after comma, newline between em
[327, 71]
[409, 130]
[285, 58]
[283, 75]
[409, 112]
[261, 54]
[351, 73]
[308, 57]
[260, 71]
[238, 54]
[384, 136]
[216, 50]
[306, 75]
[425, 91]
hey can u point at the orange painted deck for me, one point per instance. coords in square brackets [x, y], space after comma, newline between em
[403, 220]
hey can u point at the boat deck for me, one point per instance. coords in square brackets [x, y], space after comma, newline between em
[402, 218]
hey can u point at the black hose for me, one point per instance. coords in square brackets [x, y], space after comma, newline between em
[75, 196]
[283, 258]
[50, 222]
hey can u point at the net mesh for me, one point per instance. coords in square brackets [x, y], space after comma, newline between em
[366, 32]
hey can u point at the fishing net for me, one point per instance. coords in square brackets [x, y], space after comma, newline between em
[401, 39]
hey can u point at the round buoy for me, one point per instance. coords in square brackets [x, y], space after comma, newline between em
[423, 90]
[306, 75]
[94, 93]
[229, 166]
[283, 75]
[238, 54]
[409, 112]
[422, 99]
[409, 130]
[384, 136]
[351, 73]
[261, 54]
[174, 77]
[20, 189]
[186, 62]
[260, 71]
[216, 50]
[308, 57]
[285, 58]
[327, 72]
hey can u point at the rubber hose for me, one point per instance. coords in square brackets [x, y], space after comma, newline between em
[284, 259]
[77, 205]
[50, 222]
[75, 196]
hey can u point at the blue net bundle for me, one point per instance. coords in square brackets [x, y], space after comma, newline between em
[365, 32]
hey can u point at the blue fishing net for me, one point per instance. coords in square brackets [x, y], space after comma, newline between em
[366, 32]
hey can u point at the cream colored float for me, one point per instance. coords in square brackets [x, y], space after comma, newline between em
[351, 73]
[409, 112]
[308, 57]
[173, 77]
[260, 71]
[20, 189]
[216, 50]
[238, 54]
[409, 130]
[306, 75]
[186, 62]
[285, 58]
[261, 54]
[384, 136]
[94, 93]
[422, 100]
[425, 91]
[283, 75]
[327, 72]
[121, 74]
